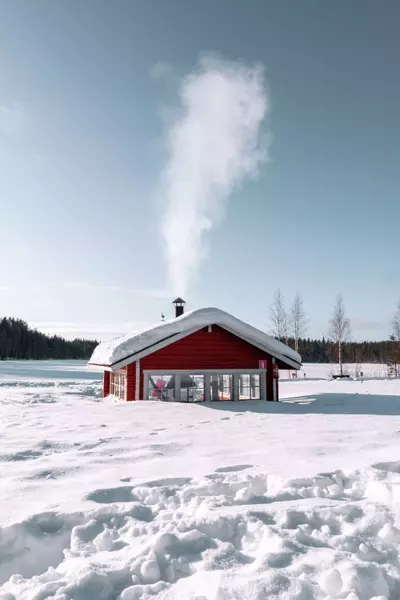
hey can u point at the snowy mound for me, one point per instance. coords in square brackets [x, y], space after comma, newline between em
[115, 351]
[228, 535]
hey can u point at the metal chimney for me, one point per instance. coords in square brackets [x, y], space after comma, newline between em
[179, 306]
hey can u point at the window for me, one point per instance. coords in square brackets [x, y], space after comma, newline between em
[255, 386]
[221, 387]
[186, 386]
[192, 388]
[244, 387]
[118, 384]
[249, 387]
[161, 387]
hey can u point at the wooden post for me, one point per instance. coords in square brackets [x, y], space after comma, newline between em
[138, 384]
[130, 382]
[106, 383]
[270, 380]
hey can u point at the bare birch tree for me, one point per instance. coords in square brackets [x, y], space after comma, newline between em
[396, 324]
[395, 337]
[278, 317]
[339, 328]
[298, 320]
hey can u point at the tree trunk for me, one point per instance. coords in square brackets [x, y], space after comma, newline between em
[340, 359]
[296, 345]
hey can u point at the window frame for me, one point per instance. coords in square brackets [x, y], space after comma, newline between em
[118, 384]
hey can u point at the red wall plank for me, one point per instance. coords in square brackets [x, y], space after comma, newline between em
[106, 383]
[218, 349]
[130, 381]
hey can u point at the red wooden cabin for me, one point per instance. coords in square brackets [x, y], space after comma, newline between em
[202, 355]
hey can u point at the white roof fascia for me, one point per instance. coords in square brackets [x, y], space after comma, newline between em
[162, 344]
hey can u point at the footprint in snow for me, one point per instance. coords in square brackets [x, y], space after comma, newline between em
[169, 482]
[225, 419]
[233, 468]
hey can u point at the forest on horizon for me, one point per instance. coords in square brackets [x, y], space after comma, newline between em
[19, 341]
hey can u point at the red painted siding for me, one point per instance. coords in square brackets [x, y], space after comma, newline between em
[131, 381]
[218, 349]
[106, 383]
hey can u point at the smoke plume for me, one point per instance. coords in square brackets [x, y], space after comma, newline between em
[213, 144]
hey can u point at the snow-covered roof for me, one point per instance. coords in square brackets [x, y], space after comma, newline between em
[122, 350]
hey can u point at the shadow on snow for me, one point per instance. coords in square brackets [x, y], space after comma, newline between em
[331, 404]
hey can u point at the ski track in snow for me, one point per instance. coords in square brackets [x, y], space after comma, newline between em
[296, 500]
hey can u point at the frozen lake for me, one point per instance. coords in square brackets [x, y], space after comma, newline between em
[47, 369]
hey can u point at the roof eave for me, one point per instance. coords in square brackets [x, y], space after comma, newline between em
[151, 349]
[290, 362]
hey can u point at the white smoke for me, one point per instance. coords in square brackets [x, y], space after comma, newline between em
[213, 145]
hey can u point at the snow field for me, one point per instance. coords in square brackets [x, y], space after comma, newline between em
[298, 500]
[325, 371]
[227, 535]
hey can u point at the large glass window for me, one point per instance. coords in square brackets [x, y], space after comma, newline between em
[161, 387]
[244, 387]
[118, 384]
[221, 387]
[192, 388]
[255, 393]
[249, 386]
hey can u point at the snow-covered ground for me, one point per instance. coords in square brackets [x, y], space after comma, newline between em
[230, 501]
[325, 371]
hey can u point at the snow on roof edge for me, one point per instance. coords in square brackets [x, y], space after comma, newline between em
[114, 351]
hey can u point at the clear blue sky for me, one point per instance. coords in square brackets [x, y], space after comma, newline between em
[80, 158]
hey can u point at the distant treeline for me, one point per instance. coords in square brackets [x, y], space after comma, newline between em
[325, 351]
[19, 341]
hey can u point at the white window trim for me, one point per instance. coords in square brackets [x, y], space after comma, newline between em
[274, 382]
[263, 384]
[178, 385]
[114, 386]
[137, 381]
